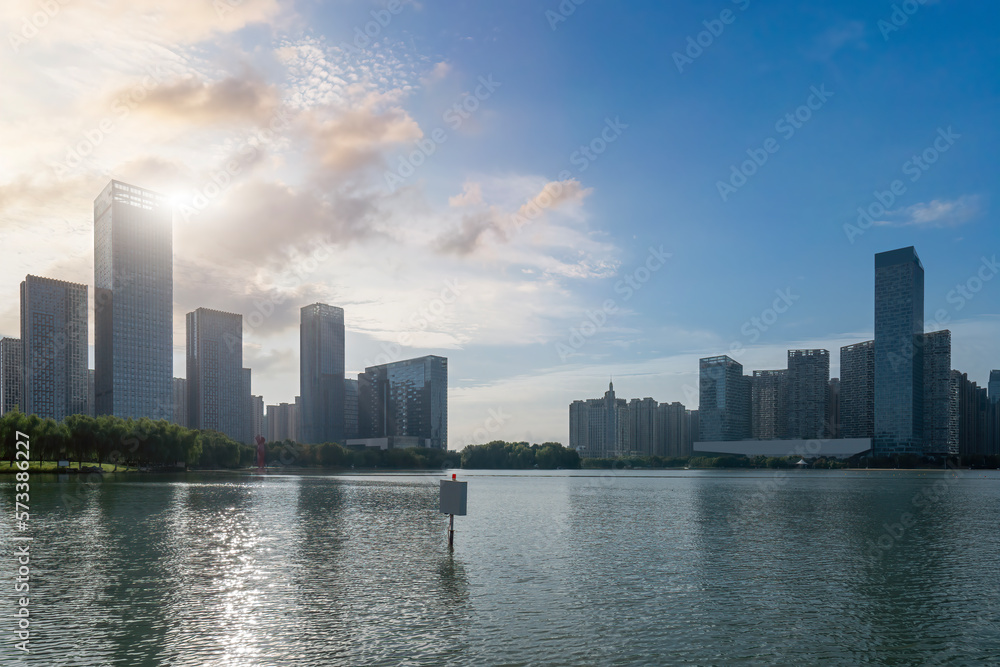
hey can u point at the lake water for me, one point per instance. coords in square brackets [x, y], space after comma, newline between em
[549, 568]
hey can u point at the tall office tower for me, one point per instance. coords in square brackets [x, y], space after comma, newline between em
[693, 426]
[321, 373]
[769, 399]
[833, 408]
[10, 375]
[643, 426]
[91, 401]
[724, 400]
[673, 425]
[246, 400]
[857, 390]
[405, 398]
[133, 303]
[972, 407]
[808, 378]
[257, 426]
[180, 402]
[937, 409]
[282, 422]
[215, 372]
[899, 362]
[994, 386]
[351, 429]
[579, 427]
[53, 348]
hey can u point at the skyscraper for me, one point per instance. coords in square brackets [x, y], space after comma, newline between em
[53, 348]
[321, 373]
[10, 375]
[133, 303]
[282, 422]
[769, 397]
[673, 429]
[724, 400]
[857, 390]
[833, 409]
[215, 378]
[405, 398]
[246, 399]
[180, 416]
[643, 426]
[994, 386]
[808, 380]
[899, 363]
[351, 429]
[937, 410]
[257, 418]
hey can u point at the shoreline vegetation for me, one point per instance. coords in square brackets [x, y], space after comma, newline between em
[111, 444]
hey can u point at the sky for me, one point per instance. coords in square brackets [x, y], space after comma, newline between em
[550, 194]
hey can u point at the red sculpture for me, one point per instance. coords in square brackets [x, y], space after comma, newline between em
[261, 453]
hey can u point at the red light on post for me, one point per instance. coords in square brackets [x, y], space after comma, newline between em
[453, 475]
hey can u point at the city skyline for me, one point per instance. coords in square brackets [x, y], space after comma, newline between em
[489, 207]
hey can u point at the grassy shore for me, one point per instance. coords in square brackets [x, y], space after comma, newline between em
[6, 467]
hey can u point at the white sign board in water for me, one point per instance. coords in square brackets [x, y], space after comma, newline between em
[454, 497]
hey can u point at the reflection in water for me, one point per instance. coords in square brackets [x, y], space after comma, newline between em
[548, 568]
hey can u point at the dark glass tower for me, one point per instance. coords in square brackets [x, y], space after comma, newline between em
[321, 374]
[133, 303]
[215, 377]
[53, 348]
[405, 398]
[899, 361]
[724, 400]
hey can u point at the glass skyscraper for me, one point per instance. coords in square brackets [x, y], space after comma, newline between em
[321, 374]
[53, 348]
[724, 400]
[899, 362]
[216, 384]
[405, 398]
[133, 303]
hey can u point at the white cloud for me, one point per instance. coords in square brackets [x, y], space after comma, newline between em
[935, 213]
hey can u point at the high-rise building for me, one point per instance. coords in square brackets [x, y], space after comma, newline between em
[257, 418]
[600, 427]
[693, 426]
[724, 400]
[10, 375]
[133, 302]
[282, 422]
[937, 410]
[180, 402]
[972, 408]
[994, 386]
[899, 363]
[351, 428]
[673, 427]
[405, 398]
[808, 380]
[857, 390]
[53, 348]
[769, 399]
[833, 408]
[643, 426]
[246, 399]
[321, 373]
[215, 378]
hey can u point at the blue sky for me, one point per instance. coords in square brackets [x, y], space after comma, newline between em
[508, 233]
